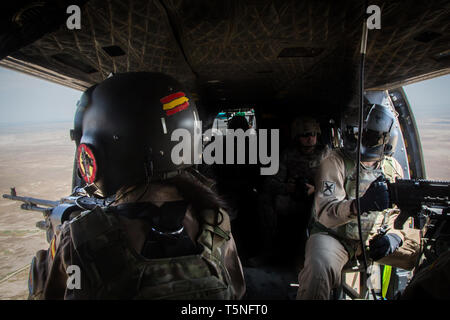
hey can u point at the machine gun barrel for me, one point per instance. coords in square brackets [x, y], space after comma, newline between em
[411, 195]
[414, 192]
[32, 202]
[57, 212]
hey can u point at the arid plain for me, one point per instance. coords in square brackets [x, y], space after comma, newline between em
[36, 159]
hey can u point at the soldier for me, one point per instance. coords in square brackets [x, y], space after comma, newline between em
[298, 165]
[236, 184]
[334, 236]
[290, 191]
[164, 234]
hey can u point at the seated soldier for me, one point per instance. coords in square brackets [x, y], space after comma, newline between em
[334, 236]
[290, 192]
[165, 234]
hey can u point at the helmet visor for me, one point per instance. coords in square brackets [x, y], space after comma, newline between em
[371, 138]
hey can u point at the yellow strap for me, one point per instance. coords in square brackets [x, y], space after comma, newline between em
[53, 247]
[386, 279]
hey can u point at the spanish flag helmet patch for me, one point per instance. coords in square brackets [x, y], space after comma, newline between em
[174, 103]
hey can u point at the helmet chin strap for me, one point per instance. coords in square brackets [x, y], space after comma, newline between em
[148, 167]
[91, 189]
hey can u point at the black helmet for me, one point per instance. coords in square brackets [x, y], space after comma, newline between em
[391, 145]
[376, 133]
[126, 125]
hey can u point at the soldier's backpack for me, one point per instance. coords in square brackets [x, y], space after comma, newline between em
[117, 271]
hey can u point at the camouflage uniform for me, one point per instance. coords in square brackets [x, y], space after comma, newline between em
[107, 248]
[334, 238]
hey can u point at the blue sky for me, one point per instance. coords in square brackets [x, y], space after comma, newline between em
[430, 98]
[25, 98]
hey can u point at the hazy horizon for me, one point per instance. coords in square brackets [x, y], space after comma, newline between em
[430, 98]
[28, 99]
[28, 103]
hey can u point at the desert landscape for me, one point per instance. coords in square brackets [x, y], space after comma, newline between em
[37, 159]
[435, 138]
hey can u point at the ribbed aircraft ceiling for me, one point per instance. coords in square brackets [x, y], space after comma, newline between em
[243, 51]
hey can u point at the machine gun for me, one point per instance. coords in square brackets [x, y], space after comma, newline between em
[420, 199]
[57, 212]
[428, 203]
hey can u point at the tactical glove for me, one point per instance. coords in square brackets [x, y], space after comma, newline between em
[376, 197]
[381, 246]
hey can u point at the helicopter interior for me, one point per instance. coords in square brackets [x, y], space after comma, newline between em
[273, 59]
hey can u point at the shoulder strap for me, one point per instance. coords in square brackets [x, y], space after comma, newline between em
[215, 229]
[348, 162]
[349, 165]
[388, 168]
[88, 226]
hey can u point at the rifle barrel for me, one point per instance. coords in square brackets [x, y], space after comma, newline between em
[32, 207]
[35, 201]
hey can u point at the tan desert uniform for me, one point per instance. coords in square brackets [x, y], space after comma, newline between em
[325, 254]
[48, 274]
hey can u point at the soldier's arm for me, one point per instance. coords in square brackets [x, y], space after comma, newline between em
[37, 276]
[44, 266]
[48, 274]
[332, 209]
[234, 267]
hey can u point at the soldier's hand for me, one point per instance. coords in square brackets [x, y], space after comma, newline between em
[376, 197]
[381, 246]
[309, 189]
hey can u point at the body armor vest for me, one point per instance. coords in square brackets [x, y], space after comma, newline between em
[367, 176]
[350, 229]
[117, 271]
